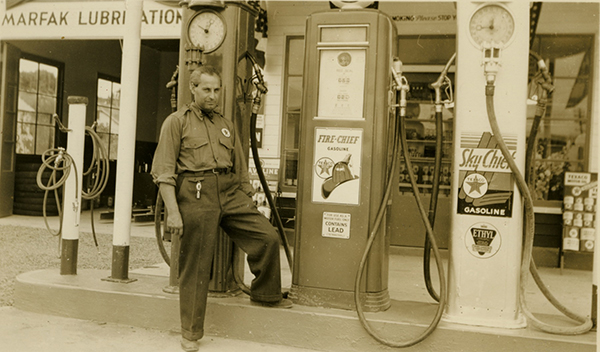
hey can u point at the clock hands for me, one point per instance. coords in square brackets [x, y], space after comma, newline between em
[206, 30]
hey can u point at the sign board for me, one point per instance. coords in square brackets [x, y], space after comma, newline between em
[86, 20]
[336, 225]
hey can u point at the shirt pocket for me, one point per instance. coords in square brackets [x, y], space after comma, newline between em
[226, 142]
[194, 143]
[224, 154]
[195, 153]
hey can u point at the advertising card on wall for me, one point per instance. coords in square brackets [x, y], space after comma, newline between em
[579, 211]
[337, 165]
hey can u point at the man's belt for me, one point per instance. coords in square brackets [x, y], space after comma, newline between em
[217, 171]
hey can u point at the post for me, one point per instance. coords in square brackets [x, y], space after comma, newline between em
[72, 201]
[130, 68]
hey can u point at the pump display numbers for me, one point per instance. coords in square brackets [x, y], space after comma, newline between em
[492, 24]
[341, 84]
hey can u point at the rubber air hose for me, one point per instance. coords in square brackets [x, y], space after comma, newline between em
[99, 170]
[373, 233]
[56, 160]
[528, 264]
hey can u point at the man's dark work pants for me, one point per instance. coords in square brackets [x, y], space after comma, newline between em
[221, 204]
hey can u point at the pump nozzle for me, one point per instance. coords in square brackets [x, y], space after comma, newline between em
[397, 72]
[443, 78]
[258, 79]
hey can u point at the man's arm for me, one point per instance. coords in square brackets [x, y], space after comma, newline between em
[174, 222]
[163, 171]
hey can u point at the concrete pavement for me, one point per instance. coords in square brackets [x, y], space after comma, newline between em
[22, 331]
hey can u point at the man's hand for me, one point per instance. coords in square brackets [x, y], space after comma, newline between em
[175, 224]
[174, 221]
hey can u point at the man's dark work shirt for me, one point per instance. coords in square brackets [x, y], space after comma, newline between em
[190, 140]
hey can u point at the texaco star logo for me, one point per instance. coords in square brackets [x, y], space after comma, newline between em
[323, 167]
[475, 185]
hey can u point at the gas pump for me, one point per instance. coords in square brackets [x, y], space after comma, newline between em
[487, 274]
[346, 134]
[216, 33]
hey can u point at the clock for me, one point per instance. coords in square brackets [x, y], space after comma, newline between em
[492, 24]
[206, 29]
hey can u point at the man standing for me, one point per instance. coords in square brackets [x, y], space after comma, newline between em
[202, 176]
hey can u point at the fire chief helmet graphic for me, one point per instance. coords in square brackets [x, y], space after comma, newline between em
[340, 174]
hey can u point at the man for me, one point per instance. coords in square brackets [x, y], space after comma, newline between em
[202, 176]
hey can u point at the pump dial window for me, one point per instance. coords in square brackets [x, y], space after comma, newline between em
[492, 24]
[206, 30]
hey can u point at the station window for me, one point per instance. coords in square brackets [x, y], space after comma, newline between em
[563, 137]
[292, 103]
[38, 99]
[107, 114]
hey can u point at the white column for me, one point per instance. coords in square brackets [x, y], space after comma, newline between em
[130, 68]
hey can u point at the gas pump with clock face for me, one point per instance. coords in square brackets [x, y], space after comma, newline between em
[487, 222]
[218, 33]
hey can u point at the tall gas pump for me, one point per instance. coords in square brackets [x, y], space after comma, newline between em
[346, 136]
[487, 224]
[218, 33]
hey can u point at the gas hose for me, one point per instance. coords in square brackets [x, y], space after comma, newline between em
[528, 263]
[435, 189]
[400, 128]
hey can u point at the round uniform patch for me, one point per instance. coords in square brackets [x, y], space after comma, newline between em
[226, 132]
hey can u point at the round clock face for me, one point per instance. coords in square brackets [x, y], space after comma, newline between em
[206, 30]
[492, 24]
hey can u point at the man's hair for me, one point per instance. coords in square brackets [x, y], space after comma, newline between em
[204, 69]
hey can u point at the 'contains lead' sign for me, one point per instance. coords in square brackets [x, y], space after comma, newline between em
[484, 177]
[336, 225]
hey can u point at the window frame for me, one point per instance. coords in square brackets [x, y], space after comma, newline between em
[285, 113]
[548, 119]
[59, 99]
[109, 134]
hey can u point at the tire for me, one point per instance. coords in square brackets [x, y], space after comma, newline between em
[28, 196]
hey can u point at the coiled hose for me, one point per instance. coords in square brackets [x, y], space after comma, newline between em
[527, 263]
[59, 161]
[400, 131]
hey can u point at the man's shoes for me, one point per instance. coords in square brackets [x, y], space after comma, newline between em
[284, 303]
[189, 345]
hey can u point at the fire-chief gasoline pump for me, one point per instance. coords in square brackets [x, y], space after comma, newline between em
[220, 34]
[346, 137]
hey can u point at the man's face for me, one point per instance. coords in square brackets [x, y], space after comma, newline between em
[207, 92]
